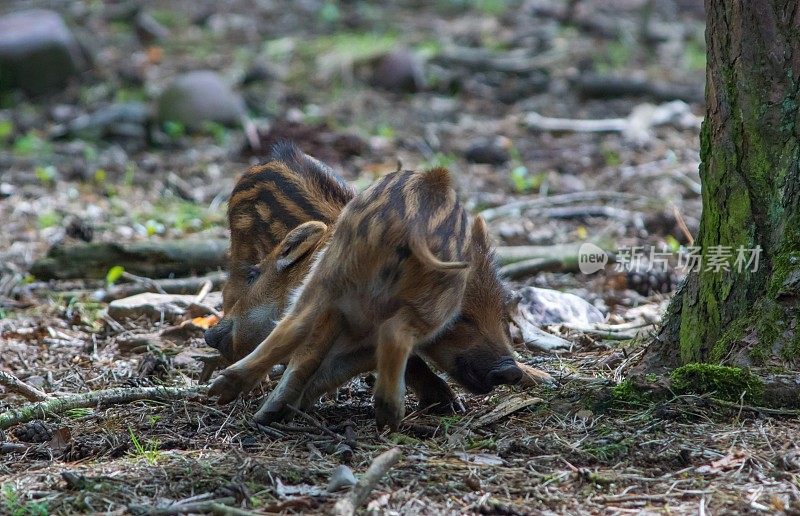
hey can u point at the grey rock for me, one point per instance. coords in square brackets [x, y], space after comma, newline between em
[399, 70]
[38, 52]
[486, 151]
[197, 97]
[341, 478]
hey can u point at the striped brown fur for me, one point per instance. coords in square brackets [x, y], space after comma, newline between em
[267, 202]
[386, 282]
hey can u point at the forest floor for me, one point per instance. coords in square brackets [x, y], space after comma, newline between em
[306, 70]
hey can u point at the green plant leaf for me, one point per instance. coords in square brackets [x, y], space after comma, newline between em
[6, 128]
[114, 274]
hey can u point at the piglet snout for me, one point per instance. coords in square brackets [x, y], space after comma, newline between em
[220, 336]
[505, 373]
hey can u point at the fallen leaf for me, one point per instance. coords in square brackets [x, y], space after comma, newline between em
[507, 408]
[205, 322]
[734, 460]
[155, 55]
[61, 439]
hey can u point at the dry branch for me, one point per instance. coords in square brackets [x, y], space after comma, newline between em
[515, 208]
[14, 384]
[599, 86]
[565, 255]
[187, 507]
[531, 267]
[116, 396]
[378, 468]
[514, 61]
[637, 127]
[170, 286]
[151, 259]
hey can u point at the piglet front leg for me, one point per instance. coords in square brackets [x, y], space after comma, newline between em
[395, 343]
[322, 330]
[244, 375]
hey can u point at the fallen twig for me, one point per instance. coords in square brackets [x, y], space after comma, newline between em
[379, 467]
[533, 377]
[602, 333]
[682, 224]
[515, 61]
[754, 408]
[14, 384]
[636, 127]
[13, 448]
[540, 203]
[190, 507]
[530, 267]
[116, 396]
[204, 290]
[171, 286]
[148, 282]
[322, 427]
[599, 86]
[565, 254]
[152, 259]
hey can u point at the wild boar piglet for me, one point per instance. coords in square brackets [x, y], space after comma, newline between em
[280, 215]
[391, 277]
[269, 254]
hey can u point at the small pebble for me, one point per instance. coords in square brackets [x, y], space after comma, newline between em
[399, 71]
[487, 152]
[341, 478]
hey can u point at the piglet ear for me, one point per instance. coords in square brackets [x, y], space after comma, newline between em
[480, 236]
[299, 242]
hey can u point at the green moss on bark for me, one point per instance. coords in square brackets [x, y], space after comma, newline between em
[727, 383]
[627, 392]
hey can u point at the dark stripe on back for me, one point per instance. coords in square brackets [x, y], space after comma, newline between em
[293, 193]
[279, 212]
[368, 204]
[397, 196]
[462, 232]
[324, 178]
[448, 226]
[260, 227]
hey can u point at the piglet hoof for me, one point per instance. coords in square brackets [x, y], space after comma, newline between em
[388, 414]
[273, 412]
[229, 385]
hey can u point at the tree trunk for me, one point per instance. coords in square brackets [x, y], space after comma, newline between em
[750, 172]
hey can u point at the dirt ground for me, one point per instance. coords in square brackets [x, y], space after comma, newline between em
[307, 71]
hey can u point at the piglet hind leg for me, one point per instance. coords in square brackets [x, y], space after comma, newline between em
[395, 343]
[336, 369]
[241, 377]
[432, 391]
[306, 359]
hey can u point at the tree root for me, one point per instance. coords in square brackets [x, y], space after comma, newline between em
[116, 396]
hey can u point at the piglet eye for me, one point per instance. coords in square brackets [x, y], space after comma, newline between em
[466, 319]
[252, 274]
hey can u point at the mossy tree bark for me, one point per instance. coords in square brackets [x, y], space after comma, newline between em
[750, 172]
